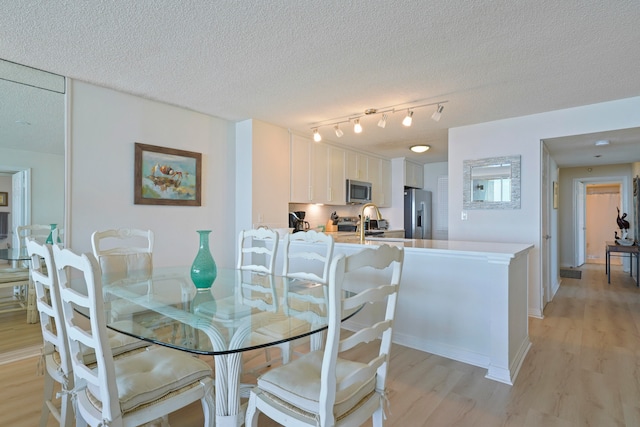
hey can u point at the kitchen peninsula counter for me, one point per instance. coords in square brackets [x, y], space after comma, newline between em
[466, 301]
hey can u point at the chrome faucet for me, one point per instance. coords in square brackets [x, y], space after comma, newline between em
[378, 217]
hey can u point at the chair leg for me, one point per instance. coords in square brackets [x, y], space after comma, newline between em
[251, 416]
[47, 396]
[208, 404]
[378, 417]
[66, 411]
[286, 351]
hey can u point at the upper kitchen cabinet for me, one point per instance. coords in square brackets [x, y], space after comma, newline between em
[379, 173]
[337, 180]
[357, 166]
[317, 172]
[413, 175]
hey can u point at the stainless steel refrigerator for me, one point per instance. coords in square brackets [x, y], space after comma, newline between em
[417, 214]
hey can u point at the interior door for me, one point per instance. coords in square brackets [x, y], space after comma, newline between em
[546, 231]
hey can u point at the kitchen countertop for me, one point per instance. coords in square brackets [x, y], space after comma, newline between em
[452, 246]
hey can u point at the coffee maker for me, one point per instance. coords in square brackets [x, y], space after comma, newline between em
[297, 222]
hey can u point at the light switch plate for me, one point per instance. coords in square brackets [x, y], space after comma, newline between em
[463, 216]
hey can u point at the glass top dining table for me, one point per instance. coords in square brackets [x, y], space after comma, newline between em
[242, 311]
[14, 255]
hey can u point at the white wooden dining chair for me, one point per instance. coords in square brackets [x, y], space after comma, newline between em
[306, 256]
[57, 364]
[132, 389]
[325, 387]
[257, 250]
[121, 253]
[55, 353]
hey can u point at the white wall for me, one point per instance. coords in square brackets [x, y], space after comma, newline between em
[522, 136]
[105, 124]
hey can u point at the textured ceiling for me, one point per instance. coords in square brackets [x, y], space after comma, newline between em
[294, 63]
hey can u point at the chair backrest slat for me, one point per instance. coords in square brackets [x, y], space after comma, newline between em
[309, 257]
[257, 249]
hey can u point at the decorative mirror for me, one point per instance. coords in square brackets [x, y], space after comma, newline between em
[492, 183]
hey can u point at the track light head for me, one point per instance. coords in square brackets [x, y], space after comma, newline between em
[339, 131]
[357, 127]
[383, 121]
[316, 136]
[438, 113]
[408, 119]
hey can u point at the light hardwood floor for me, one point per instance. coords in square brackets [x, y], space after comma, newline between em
[582, 370]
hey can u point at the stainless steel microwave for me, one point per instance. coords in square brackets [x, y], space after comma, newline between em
[358, 192]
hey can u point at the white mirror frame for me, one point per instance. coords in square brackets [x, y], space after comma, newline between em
[514, 203]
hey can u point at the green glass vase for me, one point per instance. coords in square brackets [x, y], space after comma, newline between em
[49, 240]
[203, 269]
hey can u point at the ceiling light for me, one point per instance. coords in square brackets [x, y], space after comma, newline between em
[339, 132]
[602, 142]
[357, 127]
[408, 119]
[383, 121]
[420, 148]
[436, 114]
[316, 136]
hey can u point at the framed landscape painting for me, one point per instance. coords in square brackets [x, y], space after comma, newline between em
[4, 198]
[167, 176]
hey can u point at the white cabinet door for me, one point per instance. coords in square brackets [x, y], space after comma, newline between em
[385, 183]
[300, 167]
[373, 170]
[337, 180]
[319, 173]
[414, 175]
[357, 166]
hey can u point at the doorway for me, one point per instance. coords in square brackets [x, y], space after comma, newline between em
[601, 207]
[603, 217]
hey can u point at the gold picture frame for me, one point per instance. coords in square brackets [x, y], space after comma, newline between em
[4, 198]
[167, 176]
[555, 194]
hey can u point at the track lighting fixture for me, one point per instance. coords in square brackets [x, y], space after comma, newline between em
[409, 107]
[357, 127]
[436, 114]
[408, 119]
[383, 121]
[420, 148]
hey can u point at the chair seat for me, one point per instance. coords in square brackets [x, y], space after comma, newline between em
[298, 384]
[148, 376]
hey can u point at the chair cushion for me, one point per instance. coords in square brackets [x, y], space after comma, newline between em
[147, 376]
[298, 383]
[120, 343]
[119, 266]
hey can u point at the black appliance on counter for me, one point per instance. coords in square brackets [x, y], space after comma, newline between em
[297, 222]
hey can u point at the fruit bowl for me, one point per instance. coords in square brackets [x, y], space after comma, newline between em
[625, 242]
